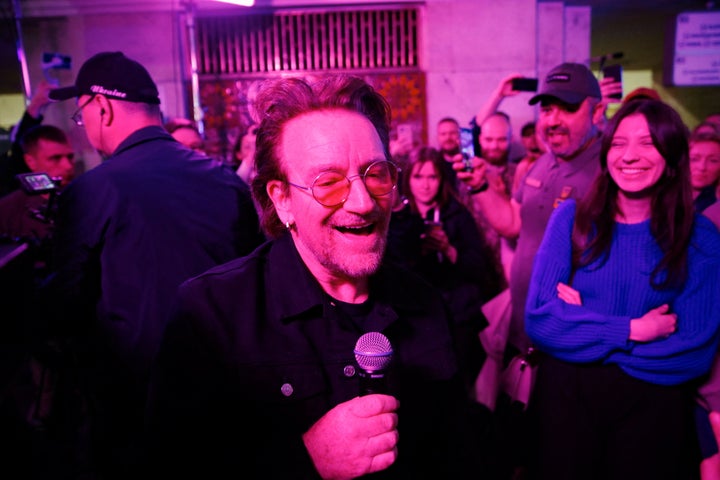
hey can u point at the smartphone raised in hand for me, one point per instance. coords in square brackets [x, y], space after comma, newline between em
[467, 148]
[405, 133]
[614, 72]
[523, 84]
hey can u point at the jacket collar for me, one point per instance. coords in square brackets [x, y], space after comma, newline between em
[299, 294]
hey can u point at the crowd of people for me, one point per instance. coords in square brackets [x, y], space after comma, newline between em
[195, 317]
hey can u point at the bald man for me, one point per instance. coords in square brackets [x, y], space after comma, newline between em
[128, 232]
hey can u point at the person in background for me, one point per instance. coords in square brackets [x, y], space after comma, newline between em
[448, 138]
[706, 128]
[713, 118]
[495, 135]
[570, 104]
[492, 140]
[491, 107]
[153, 214]
[435, 236]
[704, 169]
[29, 219]
[185, 132]
[641, 93]
[711, 471]
[534, 148]
[244, 153]
[263, 346]
[403, 140]
[704, 164]
[12, 163]
[624, 304]
[46, 150]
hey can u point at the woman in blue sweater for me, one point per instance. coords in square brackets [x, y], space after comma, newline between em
[624, 302]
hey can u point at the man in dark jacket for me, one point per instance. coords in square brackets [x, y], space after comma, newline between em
[128, 232]
[256, 377]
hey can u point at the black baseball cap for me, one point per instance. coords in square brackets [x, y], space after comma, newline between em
[114, 75]
[570, 82]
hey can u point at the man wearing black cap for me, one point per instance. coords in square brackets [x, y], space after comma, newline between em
[128, 232]
[570, 103]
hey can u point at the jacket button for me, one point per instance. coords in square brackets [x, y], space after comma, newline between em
[286, 389]
[349, 371]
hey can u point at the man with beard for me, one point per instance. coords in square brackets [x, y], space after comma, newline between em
[448, 138]
[495, 135]
[570, 106]
[570, 101]
[262, 347]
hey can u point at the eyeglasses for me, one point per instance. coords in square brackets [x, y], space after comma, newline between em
[331, 188]
[77, 116]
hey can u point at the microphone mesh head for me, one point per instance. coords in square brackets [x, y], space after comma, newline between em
[373, 352]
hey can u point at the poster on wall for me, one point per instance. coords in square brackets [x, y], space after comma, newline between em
[696, 51]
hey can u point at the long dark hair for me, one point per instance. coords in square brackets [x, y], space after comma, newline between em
[672, 212]
[426, 155]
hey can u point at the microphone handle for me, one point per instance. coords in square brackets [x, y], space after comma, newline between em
[371, 383]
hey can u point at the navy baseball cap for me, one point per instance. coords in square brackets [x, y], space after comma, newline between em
[570, 82]
[114, 75]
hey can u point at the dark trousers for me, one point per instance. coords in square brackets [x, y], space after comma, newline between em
[597, 422]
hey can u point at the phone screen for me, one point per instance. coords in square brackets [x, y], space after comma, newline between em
[466, 145]
[525, 84]
[405, 133]
[36, 183]
[614, 72]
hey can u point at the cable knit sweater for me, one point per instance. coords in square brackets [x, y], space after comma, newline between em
[617, 290]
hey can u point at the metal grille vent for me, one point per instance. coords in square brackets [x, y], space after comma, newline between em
[308, 41]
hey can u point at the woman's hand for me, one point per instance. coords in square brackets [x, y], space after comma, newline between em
[656, 324]
[568, 294]
[436, 240]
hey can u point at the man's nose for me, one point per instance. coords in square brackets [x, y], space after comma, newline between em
[359, 199]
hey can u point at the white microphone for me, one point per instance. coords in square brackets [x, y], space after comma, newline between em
[373, 354]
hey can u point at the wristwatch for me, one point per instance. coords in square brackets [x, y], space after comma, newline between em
[484, 186]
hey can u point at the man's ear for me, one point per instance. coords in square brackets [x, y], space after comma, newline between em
[598, 114]
[30, 161]
[105, 109]
[280, 195]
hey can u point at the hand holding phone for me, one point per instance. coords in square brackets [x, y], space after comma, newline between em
[405, 133]
[615, 73]
[523, 84]
[467, 149]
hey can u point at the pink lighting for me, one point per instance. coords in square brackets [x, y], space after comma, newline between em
[244, 3]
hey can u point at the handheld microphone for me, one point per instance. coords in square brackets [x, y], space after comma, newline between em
[373, 354]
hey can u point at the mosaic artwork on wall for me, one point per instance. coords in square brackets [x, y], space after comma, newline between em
[226, 106]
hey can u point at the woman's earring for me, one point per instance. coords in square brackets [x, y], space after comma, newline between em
[287, 224]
